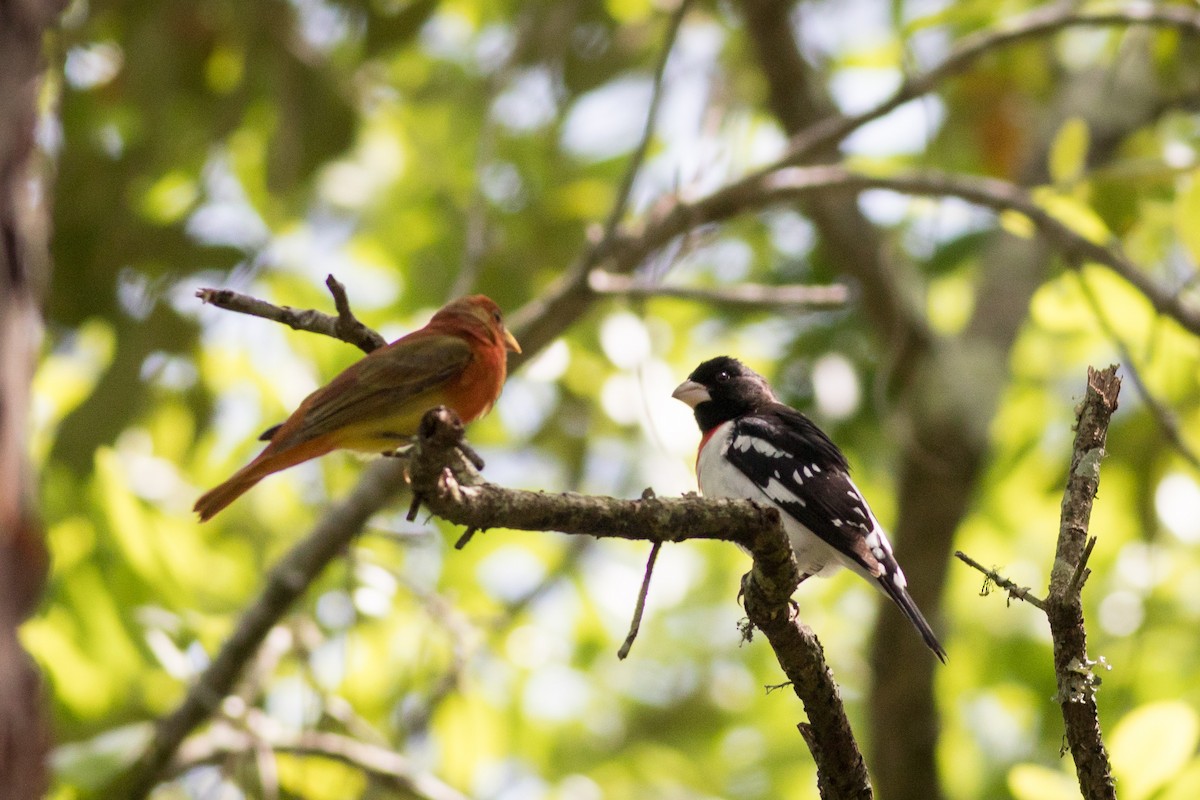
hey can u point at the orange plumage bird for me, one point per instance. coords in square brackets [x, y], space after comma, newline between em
[458, 360]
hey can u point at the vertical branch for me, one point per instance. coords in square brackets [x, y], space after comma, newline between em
[1076, 683]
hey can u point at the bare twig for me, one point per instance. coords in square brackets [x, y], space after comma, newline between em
[640, 607]
[991, 576]
[345, 326]
[617, 212]
[753, 295]
[1064, 608]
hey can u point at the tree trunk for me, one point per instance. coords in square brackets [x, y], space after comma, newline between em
[24, 269]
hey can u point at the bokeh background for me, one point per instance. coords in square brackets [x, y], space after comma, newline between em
[420, 149]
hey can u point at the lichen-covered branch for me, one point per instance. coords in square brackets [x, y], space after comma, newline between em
[25, 197]
[1072, 667]
[458, 494]
[992, 577]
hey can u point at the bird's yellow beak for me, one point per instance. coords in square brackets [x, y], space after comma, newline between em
[691, 393]
[510, 341]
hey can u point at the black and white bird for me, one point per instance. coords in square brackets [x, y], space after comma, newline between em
[755, 447]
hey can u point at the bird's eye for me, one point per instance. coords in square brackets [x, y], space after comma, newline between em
[722, 377]
[496, 316]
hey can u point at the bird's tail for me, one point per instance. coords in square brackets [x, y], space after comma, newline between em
[266, 463]
[902, 599]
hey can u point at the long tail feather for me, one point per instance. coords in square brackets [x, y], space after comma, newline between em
[906, 604]
[267, 463]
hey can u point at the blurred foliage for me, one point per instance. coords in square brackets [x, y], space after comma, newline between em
[262, 145]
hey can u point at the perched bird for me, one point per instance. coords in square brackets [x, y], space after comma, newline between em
[757, 448]
[458, 360]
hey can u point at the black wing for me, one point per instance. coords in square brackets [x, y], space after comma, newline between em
[797, 466]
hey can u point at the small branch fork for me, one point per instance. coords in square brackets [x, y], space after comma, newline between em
[345, 326]
[1063, 605]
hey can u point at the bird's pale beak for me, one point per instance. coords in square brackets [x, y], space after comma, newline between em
[510, 341]
[691, 393]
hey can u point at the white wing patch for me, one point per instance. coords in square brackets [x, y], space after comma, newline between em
[777, 491]
[745, 443]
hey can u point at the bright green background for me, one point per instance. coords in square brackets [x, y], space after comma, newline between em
[262, 145]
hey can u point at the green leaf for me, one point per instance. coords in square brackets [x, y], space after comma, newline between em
[1068, 152]
[1151, 745]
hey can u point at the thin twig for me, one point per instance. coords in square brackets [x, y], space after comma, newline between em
[753, 295]
[476, 229]
[1014, 590]
[345, 326]
[1081, 569]
[640, 607]
[625, 189]
[348, 327]
[466, 537]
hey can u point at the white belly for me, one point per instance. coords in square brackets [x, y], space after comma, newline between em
[718, 478]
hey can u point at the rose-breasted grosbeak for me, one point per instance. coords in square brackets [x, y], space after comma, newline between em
[755, 447]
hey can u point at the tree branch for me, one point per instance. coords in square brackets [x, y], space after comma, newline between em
[287, 581]
[458, 494]
[643, 146]
[1045, 21]
[1076, 682]
[386, 766]
[25, 199]
[345, 326]
[752, 295]
[793, 183]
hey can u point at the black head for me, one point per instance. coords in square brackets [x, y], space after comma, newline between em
[723, 388]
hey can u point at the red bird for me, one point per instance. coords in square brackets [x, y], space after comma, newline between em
[458, 360]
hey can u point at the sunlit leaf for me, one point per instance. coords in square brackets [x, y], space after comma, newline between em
[1187, 214]
[1151, 744]
[1035, 782]
[1068, 151]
